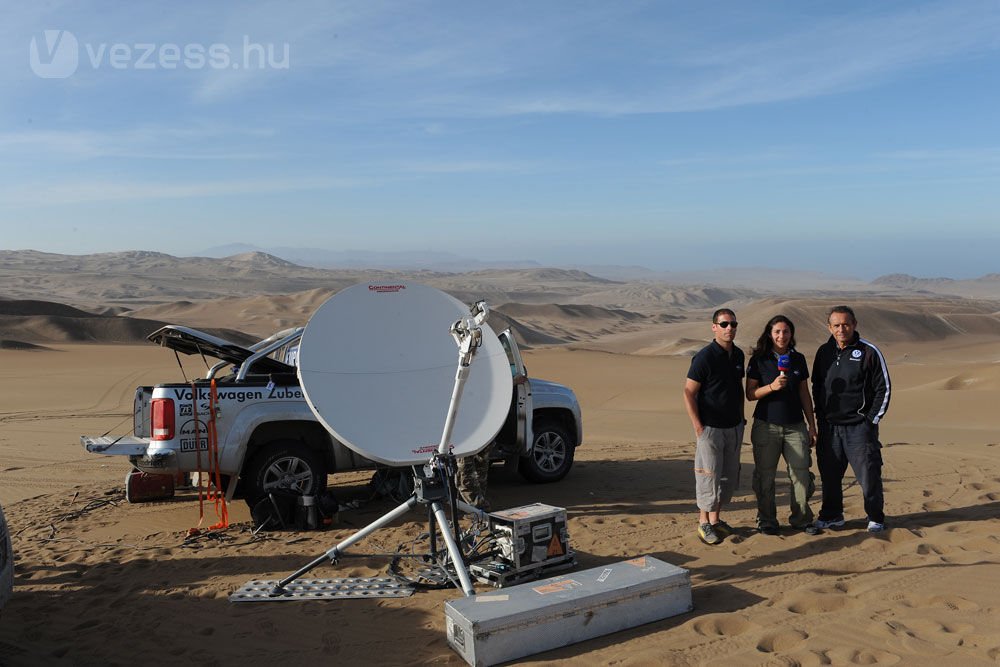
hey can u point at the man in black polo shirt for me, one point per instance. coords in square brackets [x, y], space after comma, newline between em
[713, 396]
[851, 391]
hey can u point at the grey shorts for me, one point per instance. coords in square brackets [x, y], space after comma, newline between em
[717, 466]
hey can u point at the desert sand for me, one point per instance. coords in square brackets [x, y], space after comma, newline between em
[100, 581]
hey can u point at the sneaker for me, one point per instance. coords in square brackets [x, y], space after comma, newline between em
[832, 523]
[875, 527]
[723, 529]
[811, 529]
[768, 530]
[707, 534]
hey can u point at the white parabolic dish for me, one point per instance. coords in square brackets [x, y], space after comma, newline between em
[377, 365]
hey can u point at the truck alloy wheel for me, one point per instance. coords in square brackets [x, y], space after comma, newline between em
[285, 466]
[551, 456]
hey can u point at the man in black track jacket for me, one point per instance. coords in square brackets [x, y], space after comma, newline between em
[851, 391]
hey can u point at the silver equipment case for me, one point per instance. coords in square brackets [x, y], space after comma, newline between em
[522, 620]
[532, 542]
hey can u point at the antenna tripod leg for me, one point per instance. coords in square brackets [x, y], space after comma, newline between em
[333, 555]
[456, 554]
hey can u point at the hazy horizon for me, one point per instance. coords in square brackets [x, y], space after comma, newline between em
[434, 260]
[856, 140]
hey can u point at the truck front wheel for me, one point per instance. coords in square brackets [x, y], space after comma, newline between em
[551, 454]
[284, 465]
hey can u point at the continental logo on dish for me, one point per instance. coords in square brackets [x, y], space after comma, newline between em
[386, 288]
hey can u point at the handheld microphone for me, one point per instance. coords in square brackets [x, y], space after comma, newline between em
[784, 364]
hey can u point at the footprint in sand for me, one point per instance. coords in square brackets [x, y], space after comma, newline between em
[780, 641]
[722, 625]
[990, 496]
[873, 657]
[950, 602]
[932, 631]
[818, 603]
[740, 549]
[804, 658]
[936, 506]
[926, 549]
[839, 587]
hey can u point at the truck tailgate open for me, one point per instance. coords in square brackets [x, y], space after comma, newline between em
[128, 445]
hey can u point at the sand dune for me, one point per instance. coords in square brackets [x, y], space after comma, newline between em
[262, 315]
[7, 344]
[29, 322]
[984, 287]
[26, 308]
[49, 329]
[882, 320]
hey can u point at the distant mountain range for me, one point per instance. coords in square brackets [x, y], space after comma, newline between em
[122, 296]
[368, 259]
[110, 283]
[759, 278]
[985, 287]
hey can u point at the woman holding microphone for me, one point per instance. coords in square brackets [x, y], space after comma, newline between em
[776, 379]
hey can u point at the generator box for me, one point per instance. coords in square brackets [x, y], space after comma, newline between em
[522, 620]
[531, 536]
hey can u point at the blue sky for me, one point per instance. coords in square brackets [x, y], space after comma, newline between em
[845, 137]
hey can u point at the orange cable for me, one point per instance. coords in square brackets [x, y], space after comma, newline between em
[219, 496]
[197, 454]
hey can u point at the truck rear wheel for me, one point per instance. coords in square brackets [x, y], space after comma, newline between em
[551, 454]
[284, 465]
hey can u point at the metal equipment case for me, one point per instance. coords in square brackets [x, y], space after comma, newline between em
[530, 618]
[532, 539]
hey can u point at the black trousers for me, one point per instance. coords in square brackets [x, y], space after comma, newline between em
[857, 444]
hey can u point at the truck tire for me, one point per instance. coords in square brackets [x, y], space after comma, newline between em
[551, 455]
[6, 562]
[284, 465]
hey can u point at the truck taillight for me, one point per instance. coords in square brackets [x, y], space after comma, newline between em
[163, 419]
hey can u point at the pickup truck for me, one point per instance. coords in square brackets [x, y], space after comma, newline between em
[268, 437]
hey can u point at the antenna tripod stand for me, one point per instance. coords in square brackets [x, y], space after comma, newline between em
[434, 483]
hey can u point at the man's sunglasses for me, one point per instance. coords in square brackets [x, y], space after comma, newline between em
[725, 324]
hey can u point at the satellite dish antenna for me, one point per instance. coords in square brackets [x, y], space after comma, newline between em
[377, 367]
[378, 370]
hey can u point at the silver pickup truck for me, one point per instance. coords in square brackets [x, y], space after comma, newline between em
[268, 437]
